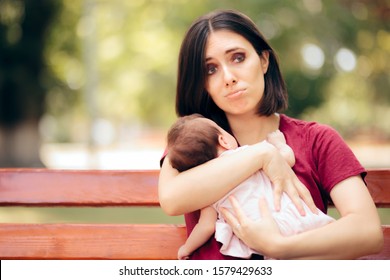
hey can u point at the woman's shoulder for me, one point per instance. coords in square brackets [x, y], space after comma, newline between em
[311, 135]
[314, 129]
[323, 148]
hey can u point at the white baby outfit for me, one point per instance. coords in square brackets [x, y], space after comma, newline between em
[247, 194]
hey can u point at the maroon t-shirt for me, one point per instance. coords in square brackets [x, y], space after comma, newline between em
[322, 159]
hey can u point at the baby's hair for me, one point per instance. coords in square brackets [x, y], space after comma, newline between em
[192, 142]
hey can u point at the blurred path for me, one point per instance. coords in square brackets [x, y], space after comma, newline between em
[146, 150]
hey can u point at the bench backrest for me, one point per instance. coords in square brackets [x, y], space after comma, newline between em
[102, 188]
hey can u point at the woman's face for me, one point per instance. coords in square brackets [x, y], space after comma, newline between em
[235, 73]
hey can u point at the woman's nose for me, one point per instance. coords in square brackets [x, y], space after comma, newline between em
[232, 82]
[230, 78]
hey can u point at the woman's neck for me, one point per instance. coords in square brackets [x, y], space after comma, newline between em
[253, 129]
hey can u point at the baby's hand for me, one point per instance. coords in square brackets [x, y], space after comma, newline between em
[182, 254]
[276, 138]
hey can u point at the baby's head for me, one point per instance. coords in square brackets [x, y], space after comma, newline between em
[194, 140]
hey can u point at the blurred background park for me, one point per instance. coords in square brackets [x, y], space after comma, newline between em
[91, 84]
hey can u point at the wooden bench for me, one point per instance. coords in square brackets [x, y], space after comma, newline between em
[75, 188]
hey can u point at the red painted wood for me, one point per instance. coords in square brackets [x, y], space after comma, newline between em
[378, 182]
[47, 187]
[86, 241]
[100, 188]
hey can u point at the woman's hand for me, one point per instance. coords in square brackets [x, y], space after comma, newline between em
[344, 238]
[262, 235]
[284, 180]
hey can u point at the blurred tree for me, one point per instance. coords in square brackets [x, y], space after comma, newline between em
[23, 26]
[355, 38]
[333, 54]
[308, 35]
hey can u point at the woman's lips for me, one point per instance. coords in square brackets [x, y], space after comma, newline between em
[236, 93]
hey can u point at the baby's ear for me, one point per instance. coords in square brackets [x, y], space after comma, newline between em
[222, 141]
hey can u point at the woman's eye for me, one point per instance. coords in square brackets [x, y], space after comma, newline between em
[211, 69]
[238, 57]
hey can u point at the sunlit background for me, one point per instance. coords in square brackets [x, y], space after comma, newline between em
[91, 84]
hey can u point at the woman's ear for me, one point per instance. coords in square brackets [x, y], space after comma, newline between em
[222, 141]
[264, 59]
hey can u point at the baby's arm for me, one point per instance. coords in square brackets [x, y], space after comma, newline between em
[203, 230]
[277, 139]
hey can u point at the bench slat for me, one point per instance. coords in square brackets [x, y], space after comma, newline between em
[87, 241]
[48, 187]
[378, 182]
[44, 187]
[41, 187]
[70, 241]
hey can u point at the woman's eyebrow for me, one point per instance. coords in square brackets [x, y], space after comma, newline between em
[226, 52]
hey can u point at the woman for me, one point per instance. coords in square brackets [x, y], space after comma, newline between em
[229, 73]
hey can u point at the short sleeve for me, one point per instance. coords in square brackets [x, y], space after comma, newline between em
[333, 159]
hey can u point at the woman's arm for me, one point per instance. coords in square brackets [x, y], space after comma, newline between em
[203, 185]
[357, 233]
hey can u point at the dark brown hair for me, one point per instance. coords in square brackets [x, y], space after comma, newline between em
[191, 95]
[192, 142]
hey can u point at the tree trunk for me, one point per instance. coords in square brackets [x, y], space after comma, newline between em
[20, 145]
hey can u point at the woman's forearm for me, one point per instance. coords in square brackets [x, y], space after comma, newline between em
[342, 239]
[203, 185]
[357, 233]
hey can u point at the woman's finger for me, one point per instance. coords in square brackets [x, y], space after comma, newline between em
[278, 190]
[264, 207]
[305, 195]
[235, 219]
[237, 209]
[293, 194]
[229, 217]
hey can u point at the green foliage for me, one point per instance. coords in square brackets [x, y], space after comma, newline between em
[134, 47]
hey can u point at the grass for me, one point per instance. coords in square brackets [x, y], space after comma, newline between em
[115, 215]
